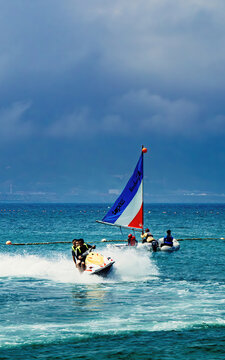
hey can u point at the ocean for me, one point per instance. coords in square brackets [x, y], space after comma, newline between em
[151, 306]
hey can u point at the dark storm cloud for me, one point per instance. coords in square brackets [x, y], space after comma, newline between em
[164, 53]
[105, 73]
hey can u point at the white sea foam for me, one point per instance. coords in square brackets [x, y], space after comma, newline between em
[130, 265]
[46, 333]
[57, 269]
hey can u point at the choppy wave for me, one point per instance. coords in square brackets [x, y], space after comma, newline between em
[151, 305]
[48, 333]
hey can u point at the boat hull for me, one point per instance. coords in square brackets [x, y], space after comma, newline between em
[149, 246]
[98, 264]
[175, 247]
[103, 271]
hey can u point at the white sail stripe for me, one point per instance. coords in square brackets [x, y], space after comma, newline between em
[132, 209]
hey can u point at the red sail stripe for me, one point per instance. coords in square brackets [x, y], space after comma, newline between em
[137, 220]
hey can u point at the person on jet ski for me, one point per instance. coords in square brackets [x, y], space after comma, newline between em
[147, 237]
[75, 243]
[168, 240]
[81, 252]
[132, 240]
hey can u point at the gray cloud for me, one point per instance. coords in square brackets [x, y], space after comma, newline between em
[12, 124]
[163, 65]
[115, 75]
[154, 113]
[174, 42]
[71, 125]
[139, 110]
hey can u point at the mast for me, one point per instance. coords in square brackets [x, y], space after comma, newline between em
[142, 191]
[144, 150]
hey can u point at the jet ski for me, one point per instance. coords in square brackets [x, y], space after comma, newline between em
[175, 247]
[98, 264]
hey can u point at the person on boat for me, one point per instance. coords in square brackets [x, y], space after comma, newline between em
[168, 239]
[129, 239]
[132, 240]
[147, 237]
[81, 252]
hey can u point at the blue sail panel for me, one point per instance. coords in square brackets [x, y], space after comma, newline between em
[127, 195]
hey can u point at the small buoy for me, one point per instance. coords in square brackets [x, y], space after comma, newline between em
[8, 242]
[104, 240]
[144, 150]
[222, 238]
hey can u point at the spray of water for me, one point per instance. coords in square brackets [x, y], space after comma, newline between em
[130, 265]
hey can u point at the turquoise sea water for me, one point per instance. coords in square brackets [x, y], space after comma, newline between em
[151, 306]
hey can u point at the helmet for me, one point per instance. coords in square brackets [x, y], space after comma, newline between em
[130, 235]
[147, 230]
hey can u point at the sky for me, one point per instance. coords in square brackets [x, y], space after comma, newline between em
[84, 84]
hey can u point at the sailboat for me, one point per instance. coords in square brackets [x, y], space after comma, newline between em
[128, 209]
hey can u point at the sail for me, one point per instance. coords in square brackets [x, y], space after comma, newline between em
[127, 211]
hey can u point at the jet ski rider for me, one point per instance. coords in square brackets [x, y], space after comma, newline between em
[80, 252]
[75, 243]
